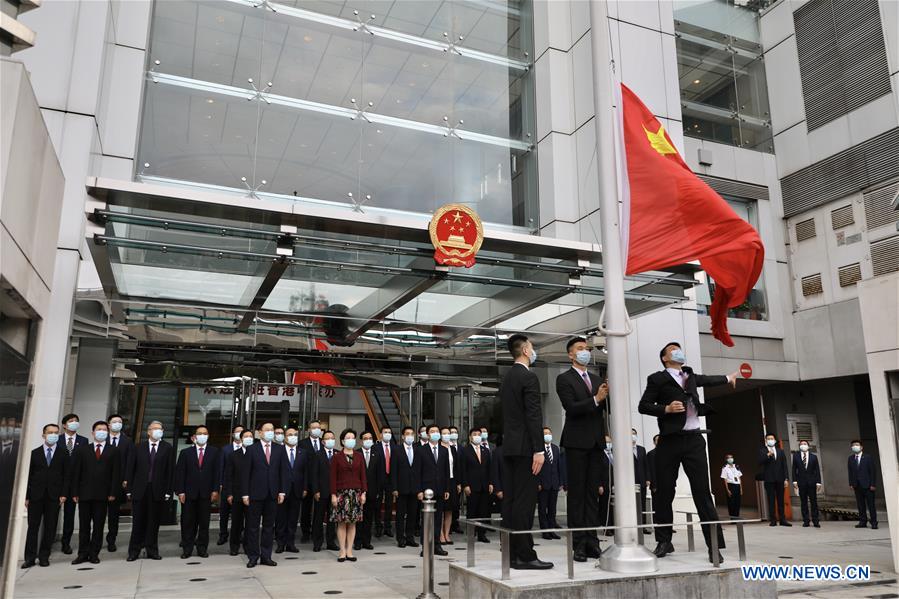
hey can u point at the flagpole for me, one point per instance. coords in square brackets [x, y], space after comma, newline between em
[626, 554]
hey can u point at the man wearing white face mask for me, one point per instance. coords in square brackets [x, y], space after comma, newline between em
[196, 485]
[672, 396]
[224, 468]
[807, 482]
[583, 395]
[70, 441]
[149, 484]
[125, 445]
[774, 472]
[46, 492]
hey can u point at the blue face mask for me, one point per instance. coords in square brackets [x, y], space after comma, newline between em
[856, 449]
[367, 443]
[583, 357]
[445, 438]
[329, 443]
[247, 441]
[349, 443]
[268, 435]
[409, 439]
[454, 436]
[547, 438]
[52, 438]
[435, 437]
[100, 435]
[533, 356]
[484, 436]
[678, 356]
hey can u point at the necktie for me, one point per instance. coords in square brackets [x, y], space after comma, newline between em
[329, 455]
[69, 444]
[49, 456]
[315, 442]
[805, 460]
[549, 454]
[586, 378]
[477, 452]
[409, 454]
[97, 452]
[115, 441]
[201, 457]
[387, 456]
[268, 454]
[435, 454]
[152, 459]
[366, 458]
[291, 457]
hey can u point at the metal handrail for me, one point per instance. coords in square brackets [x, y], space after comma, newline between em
[505, 533]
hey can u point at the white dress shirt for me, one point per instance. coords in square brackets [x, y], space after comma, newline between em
[731, 474]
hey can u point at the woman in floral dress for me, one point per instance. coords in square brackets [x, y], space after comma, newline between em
[348, 487]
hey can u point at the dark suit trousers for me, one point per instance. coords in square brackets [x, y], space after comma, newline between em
[808, 493]
[687, 450]
[323, 530]
[478, 506]
[238, 524]
[584, 478]
[146, 514]
[520, 495]
[363, 531]
[286, 530]
[733, 501]
[68, 521]
[864, 499]
[775, 494]
[224, 514]
[259, 543]
[91, 517]
[546, 507]
[195, 524]
[46, 511]
[385, 503]
[406, 516]
[112, 520]
[306, 515]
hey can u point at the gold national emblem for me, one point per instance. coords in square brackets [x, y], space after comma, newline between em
[456, 233]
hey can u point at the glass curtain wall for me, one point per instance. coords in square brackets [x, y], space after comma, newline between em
[724, 94]
[366, 105]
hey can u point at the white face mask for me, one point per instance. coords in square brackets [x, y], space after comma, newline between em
[803, 448]
[279, 437]
[476, 439]
[156, 434]
[770, 442]
[115, 426]
[316, 433]
[367, 443]
[582, 357]
[73, 425]
[386, 436]
[237, 437]
[292, 439]
[329, 443]
[409, 439]
[247, 441]
[202, 439]
[100, 435]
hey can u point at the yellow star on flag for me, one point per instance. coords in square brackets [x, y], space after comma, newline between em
[659, 141]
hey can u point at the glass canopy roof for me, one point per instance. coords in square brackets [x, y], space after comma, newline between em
[250, 271]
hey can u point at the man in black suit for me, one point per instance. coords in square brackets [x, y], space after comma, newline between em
[863, 480]
[476, 482]
[149, 485]
[312, 444]
[672, 396]
[265, 479]
[807, 481]
[774, 472]
[433, 473]
[651, 466]
[70, 441]
[95, 480]
[323, 530]
[232, 486]
[583, 396]
[552, 478]
[225, 508]
[404, 482]
[197, 486]
[522, 451]
[640, 474]
[299, 463]
[374, 476]
[44, 494]
[384, 503]
[496, 479]
[125, 445]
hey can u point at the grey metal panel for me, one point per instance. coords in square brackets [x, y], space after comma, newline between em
[868, 163]
[842, 217]
[849, 274]
[736, 188]
[811, 285]
[878, 206]
[885, 256]
[842, 57]
[805, 230]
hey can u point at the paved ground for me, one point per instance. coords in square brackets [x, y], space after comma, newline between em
[393, 572]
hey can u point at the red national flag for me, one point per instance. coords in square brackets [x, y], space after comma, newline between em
[676, 218]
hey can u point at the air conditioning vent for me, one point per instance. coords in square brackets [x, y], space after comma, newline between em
[842, 217]
[805, 230]
[850, 274]
[878, 206]
[885, 256]
[811, 285]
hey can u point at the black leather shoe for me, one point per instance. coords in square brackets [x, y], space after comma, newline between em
[805, 525]
[279, 549]
[579, 556]
[340, 560]
[411, 543]
[155, 556]
[533, 565]
[874, 526]
[357, 547]
[351, 558]
[251, 563]
[388, 532]
[440, 551]
[785, 523]
[222, 540]
[27, 564]
[94, 560]
[772, 524]
[291, 549]
[594, 552]
[185, 555]
[268, 562]
[79, 560]
[202, 553]
[111, 548]
[548, 536]
[720, 558]
[860, 525]
[401, 544]
[816, 524]
[234, 552]
[131, 557]
[483, 540]
[316, 548]
[44, 562]
[663, 549]
[67, 549]
[368, 546]
[555, 536]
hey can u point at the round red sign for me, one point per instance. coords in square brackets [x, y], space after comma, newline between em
[746, 370]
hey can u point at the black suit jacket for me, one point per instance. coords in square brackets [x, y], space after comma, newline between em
[522, 412]
[47, 482]
[79, 441]
[640, 470]
[651, 467]
[774, 468]
[140, 486]
[232, 479]
[374, 472]
[265, 480]
[433, 475]
[475, 474]
[662, 389]
[551, 477]
[404, 478]
[496, 470]
[803, 475]
[92, 479]
[321, 473]
[386, 479]
[863, 474]
[585, 425]
[299, 478]
[192, 480]
[126, 449]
